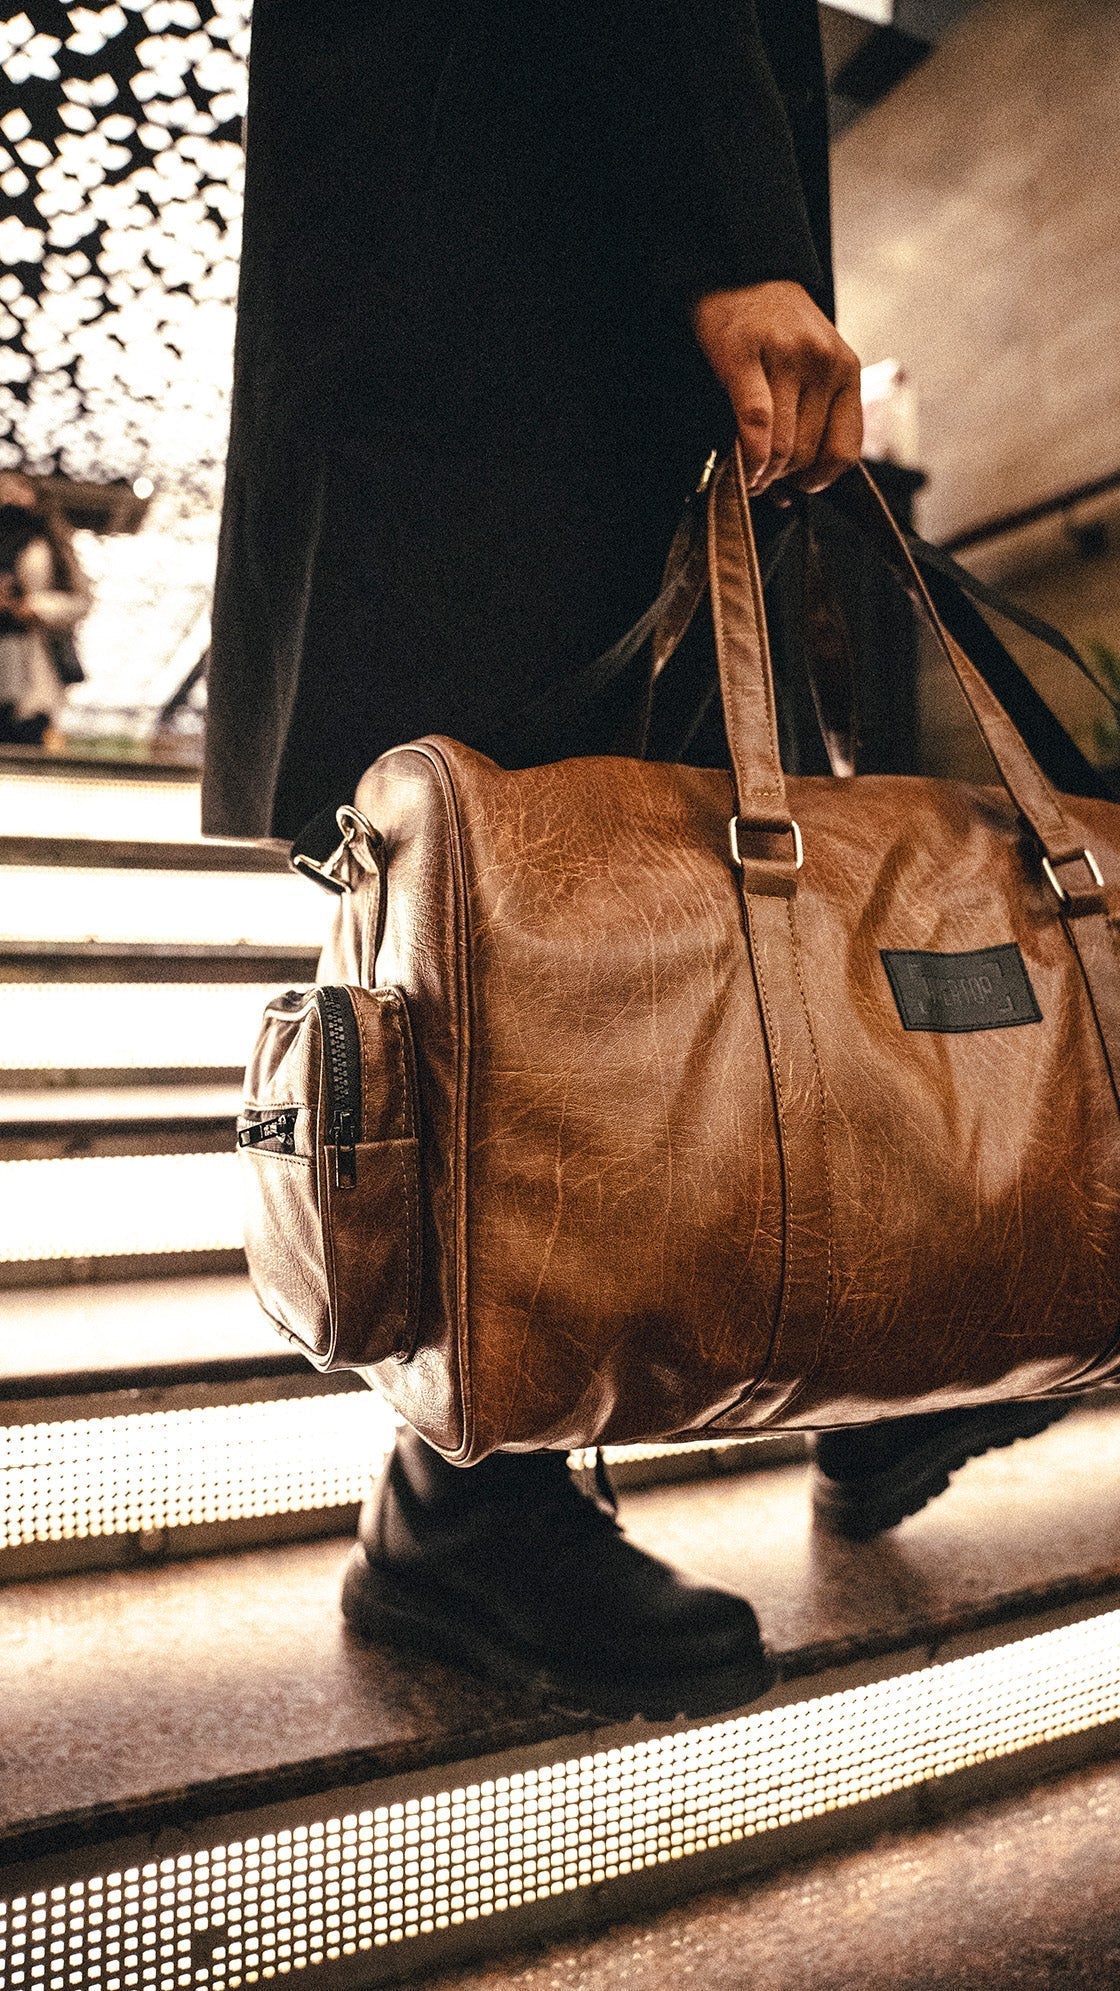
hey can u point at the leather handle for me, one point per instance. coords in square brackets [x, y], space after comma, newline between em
[746, 673]
[1029, 788]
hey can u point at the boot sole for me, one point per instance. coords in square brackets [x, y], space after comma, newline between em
[883, 1500]
[424, 1620]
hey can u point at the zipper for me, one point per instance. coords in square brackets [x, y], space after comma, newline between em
[279, 1127]
[343, 1064]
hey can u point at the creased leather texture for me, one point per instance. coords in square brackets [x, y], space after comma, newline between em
[682, 1167]
[334, 1249]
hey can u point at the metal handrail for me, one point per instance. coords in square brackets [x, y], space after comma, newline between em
[994, 528]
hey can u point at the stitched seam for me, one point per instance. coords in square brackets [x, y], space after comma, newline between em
[398, 1080]
[722, 654]
[822, 1115]
[760, 624]
[408, 1251]
[390, 1007]
[783, 1149]
[460, 1292]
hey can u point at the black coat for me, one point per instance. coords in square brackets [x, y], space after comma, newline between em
[467, 399]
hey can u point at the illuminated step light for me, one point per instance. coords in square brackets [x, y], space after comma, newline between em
[317, 1885]
[77, 1478]
[128, 1026]
[47, 903]
[98, 807]
[119, 1206]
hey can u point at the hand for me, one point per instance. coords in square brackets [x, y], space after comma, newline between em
[11, 599]
[791, 380]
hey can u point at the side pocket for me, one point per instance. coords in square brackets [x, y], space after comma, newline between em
[370, 1195]
[283, 1240]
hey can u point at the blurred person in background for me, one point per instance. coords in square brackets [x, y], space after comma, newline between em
[43, 597]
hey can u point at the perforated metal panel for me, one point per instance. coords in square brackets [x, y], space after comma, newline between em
[323, 1889]
[81, 1478]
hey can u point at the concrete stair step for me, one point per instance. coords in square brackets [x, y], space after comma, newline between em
[48, 905]
[1017, 1895]
[165, 1418]
[75, 798]
[289, 1800]
[184, 961]
[54, 1111]
[99, 853]
[71, 1341]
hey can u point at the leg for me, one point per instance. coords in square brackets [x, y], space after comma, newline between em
[869, 1479]
[510, 1570]
[508, 1567]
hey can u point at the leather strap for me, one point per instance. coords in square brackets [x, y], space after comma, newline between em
[1089, 911]
[768, 881]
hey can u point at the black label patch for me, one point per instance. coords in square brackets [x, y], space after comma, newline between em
[987, 990]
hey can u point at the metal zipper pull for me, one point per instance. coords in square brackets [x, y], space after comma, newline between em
[345, 1151]
[280, 1127]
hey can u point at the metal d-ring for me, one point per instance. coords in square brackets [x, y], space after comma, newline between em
[333, 873]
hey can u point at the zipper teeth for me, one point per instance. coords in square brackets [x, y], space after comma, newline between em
[338, 1053]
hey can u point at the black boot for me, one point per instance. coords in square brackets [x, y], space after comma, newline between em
[870, 1477]
[510, 1570]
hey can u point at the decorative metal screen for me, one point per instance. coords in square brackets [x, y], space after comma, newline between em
[340, 1882]
[78, 1478]
[121, 170]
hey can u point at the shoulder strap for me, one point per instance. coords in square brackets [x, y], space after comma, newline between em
[935, 559]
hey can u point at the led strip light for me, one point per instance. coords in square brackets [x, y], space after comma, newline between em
[77, 1478]
[49, 904]
[140, 811]
[119, 1206]
[128, 1026]
[324, 1888]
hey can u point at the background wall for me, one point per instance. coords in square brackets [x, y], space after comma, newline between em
[977, 222]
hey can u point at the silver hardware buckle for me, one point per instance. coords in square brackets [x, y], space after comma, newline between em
[1083, 856]
[794, 831]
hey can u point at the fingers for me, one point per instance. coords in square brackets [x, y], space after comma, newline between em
[816, 421]
[841, 442]
[753, 404]
[813, 412]
[792, 381]
[786, 398]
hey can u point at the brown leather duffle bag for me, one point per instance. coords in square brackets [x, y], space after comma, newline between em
[641, 1102]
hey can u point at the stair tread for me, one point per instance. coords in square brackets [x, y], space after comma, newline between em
[242, 1664]
[87, 849]
[116, 1329]
[1024, 1893]
[51, 1105]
